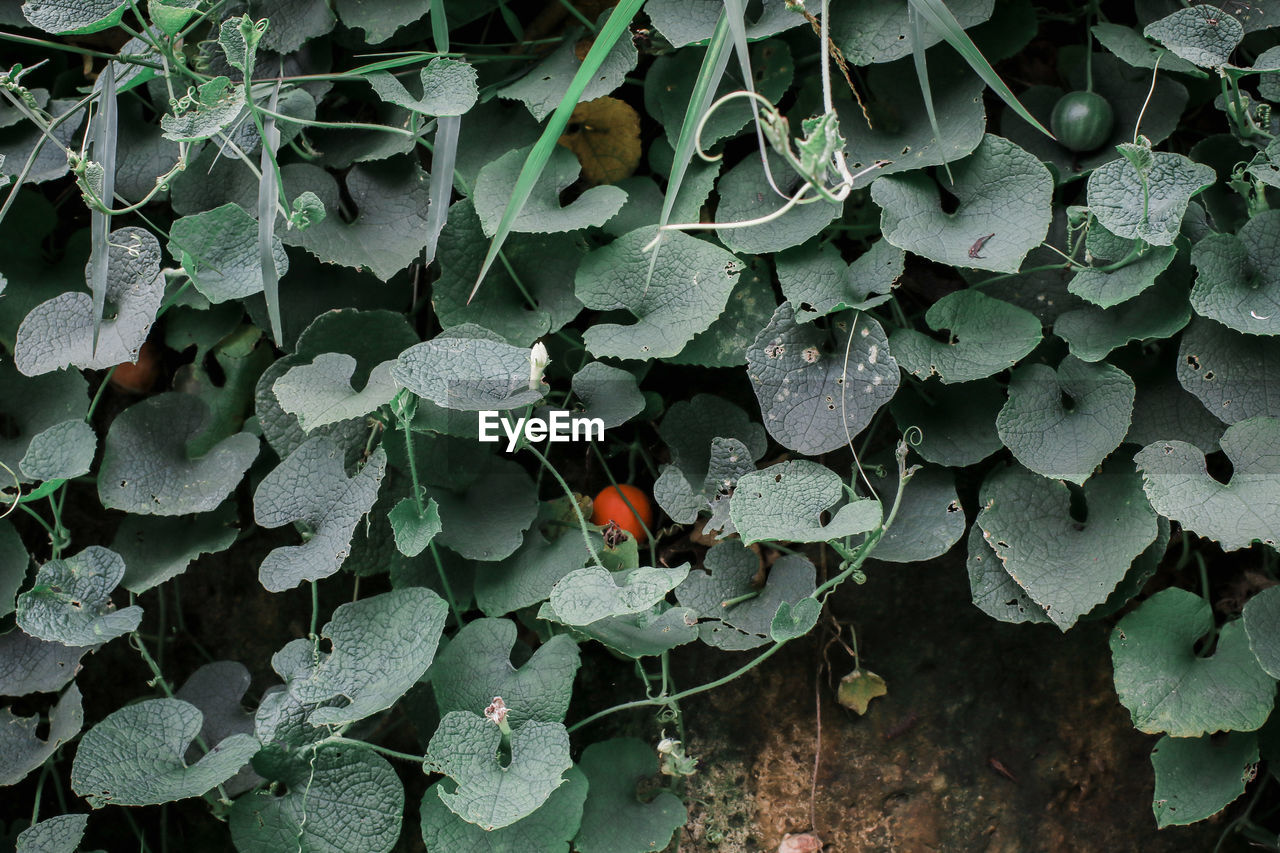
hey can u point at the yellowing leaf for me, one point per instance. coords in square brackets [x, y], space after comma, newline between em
[858, 688]
[605, 136]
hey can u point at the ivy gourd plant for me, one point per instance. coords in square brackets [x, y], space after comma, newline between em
[833, 293]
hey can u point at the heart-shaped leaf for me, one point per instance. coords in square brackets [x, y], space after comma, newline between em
[785, 502]
[70, 602]
[615, 819]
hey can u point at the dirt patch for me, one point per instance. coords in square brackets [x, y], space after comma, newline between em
[993, 737]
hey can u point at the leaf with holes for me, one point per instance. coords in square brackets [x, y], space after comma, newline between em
[465, 748]
[812, 398]
[1169, 688]
[785, 502]
[476, 666]
[986, 336]
[817, 281]
[1004, 209]
[1236, 514]
[1198, 777]
[147, 469]
[134, 757]
[1066, 566]
[70, 602]
[1233, 375]
[311, 486]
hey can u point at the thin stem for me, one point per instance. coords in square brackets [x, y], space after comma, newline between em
[582, 521]
[448, 587]
[389, 753]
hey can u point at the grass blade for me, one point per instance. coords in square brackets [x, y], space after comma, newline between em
[441, 186]
[713, 67]
[104, 152]
[926, 89]
[614, 28]
[938, 16]
[268, 190]
[735, 11]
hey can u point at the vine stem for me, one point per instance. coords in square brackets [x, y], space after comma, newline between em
[390, 753]
[582, 520]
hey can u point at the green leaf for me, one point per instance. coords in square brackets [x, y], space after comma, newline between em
[217, 689]
[212, 109]
[70, 602]
[476, 666]
[669, 311]
[638, 635]
[448, 88]
[608, 42]
[930, 519]
[987, 336]
[718, 594]
[1066, 566]
[29, 665]
[685, 23]
[588, 595]
[1204, 35]
[1168, 688]
[900, 131]
[23, 750]
[724, 343]
[1262, 624]
[156, 549]
[1092, 332]
[378, 18]
[1062, 424]
[74, 17]
[683, 498]
[172, 15]
[1238, 276]
[1146, 206]
[1004, 196]
[59, 332]
[785, 502]
[382, 645]
[60, 452]
[1129, 45]
[1163, 410]
[414, 527]
[344, 798]
[147, 469]
[957, 422]
[811, 397]
[1108, 288]
[134, 757]
[1198, 777]
[310, 486]
[615, 819]
[539, 265]
[14, 561]
[468, 369]
[282, 430]
[61, 834]
[562, 79]
[526, 577]
[33, 405]
[993, 590]
[542, 212]
[816, 280]
[465, 748]
[790, 623]
[868, 31]
[1231, 374]
[746, 194]
[549, 829]
[219, 251]
[1236, 514]
[608, 393]
[390, 227]
[320, 393]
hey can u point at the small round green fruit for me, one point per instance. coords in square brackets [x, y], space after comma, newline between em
[1082, 121]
